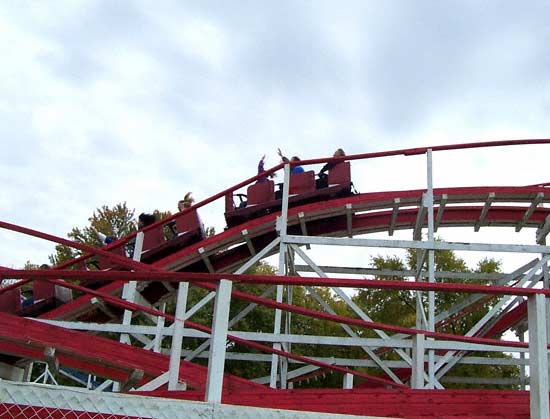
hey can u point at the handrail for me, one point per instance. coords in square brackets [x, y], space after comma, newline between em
[166, 276]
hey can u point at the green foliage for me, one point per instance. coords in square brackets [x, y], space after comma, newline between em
[29, 265]
[399, 307]
[116, 222]
[388, 306]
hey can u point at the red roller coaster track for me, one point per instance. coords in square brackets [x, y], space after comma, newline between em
[399, 388]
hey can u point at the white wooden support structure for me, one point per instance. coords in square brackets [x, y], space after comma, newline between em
[28, 371]
[417, 377]
[543, 231]
[417, 232]
[303, 227]
[538, 357]
[103, 307]
[14, 373]
[349, 219]
[440, 210]
[157, 344]
[375, 358]
[420, 259]
[282, 229]
[538, 199]
[248, 242]
[443, 366]
[216, 359]
[206, 260]
[521, 337]
[129, 289]
[484, 211]
[348, 381]
[135, 377]
[356, 309]
[416, 244]
[546, 285]
[177, 337]
[243, 313]
[429, 204]
[51, 360]
[395, 211]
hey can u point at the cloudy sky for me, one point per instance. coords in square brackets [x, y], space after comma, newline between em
[139, 101]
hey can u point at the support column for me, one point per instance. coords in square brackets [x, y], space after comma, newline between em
[160, 326]
[129, 289]
[216, 359]
[177, 337]
[546, 285]
[417, 378]
[538, 357]
[521, 336]
[429, 203]
[281, 227]
[129, 294]
[348, 381]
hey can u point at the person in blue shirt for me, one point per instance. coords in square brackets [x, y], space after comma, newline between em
[295, 169]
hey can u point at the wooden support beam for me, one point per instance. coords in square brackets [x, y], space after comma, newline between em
[168, 287]
[248, 242]
[396, 203]
[11, 372]
[349, 219]
[104, 308]
[543, 231]
[301, 218]
[538, 199]
[440, 210]
[51, 359]
[135, 377]
[421, 258]
[422, 211]
[484, 211]
[206, 260]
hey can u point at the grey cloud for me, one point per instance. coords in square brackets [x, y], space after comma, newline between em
[426, 56]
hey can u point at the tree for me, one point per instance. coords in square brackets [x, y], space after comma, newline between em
[399, 307]
[116, 222]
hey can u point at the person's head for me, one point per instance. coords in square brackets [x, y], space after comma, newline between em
[186, 202]
[146, 219]
[44, 266]
[339, 153]
[295, 158]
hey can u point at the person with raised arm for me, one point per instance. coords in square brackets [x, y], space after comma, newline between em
[296, 169]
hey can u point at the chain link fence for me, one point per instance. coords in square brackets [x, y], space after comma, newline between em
[16, 411]
[43, 401]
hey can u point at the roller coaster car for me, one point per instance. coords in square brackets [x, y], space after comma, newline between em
[45, 296]
[158, 242]
[10, 301]
[161, 240]
[166, 238]
[262, 198]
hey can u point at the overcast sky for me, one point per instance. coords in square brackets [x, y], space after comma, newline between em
[139, 101]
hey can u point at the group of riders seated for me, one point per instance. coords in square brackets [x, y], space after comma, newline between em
[146, 219]
[322, 176]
